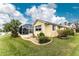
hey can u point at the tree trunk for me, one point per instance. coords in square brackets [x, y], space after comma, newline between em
[14, 34]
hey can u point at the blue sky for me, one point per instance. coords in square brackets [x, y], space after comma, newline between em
[69, 10]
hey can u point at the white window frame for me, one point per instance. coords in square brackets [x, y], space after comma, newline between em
[38, 28]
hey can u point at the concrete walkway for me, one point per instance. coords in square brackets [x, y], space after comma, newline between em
[30, 38]
[33, 40]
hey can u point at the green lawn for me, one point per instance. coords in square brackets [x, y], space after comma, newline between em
[17, 46]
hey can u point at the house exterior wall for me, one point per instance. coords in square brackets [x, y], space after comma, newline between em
[42, 30]
[50, 32]
[46, 29]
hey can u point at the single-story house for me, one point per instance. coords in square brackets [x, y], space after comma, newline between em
[48, 28]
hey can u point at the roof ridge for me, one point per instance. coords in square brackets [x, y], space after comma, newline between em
[50, 22]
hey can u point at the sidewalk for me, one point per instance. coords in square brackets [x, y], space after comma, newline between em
[30, 38]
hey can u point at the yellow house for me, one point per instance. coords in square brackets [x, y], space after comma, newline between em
[48, 28]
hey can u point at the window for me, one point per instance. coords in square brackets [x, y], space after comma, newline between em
[53, 27]
[38, 28]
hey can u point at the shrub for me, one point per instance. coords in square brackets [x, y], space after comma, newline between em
[65, 33]
[42, 38]
[62, 33]
[77, 29]
[70, 32]
[41, 35]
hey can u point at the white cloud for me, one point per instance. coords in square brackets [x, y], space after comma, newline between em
[8, 11]
[18, 15]
[4, 18]
[45, 12]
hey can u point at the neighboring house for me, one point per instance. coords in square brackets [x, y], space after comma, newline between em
[48, 28]
[26, 29]
[73, 26]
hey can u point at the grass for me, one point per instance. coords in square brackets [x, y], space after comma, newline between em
[18, 47]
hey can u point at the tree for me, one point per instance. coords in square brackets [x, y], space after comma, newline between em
[1, 30]
[7, 27]
[13, 26]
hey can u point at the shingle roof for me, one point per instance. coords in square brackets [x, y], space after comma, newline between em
[44, 21]
[48, 23]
